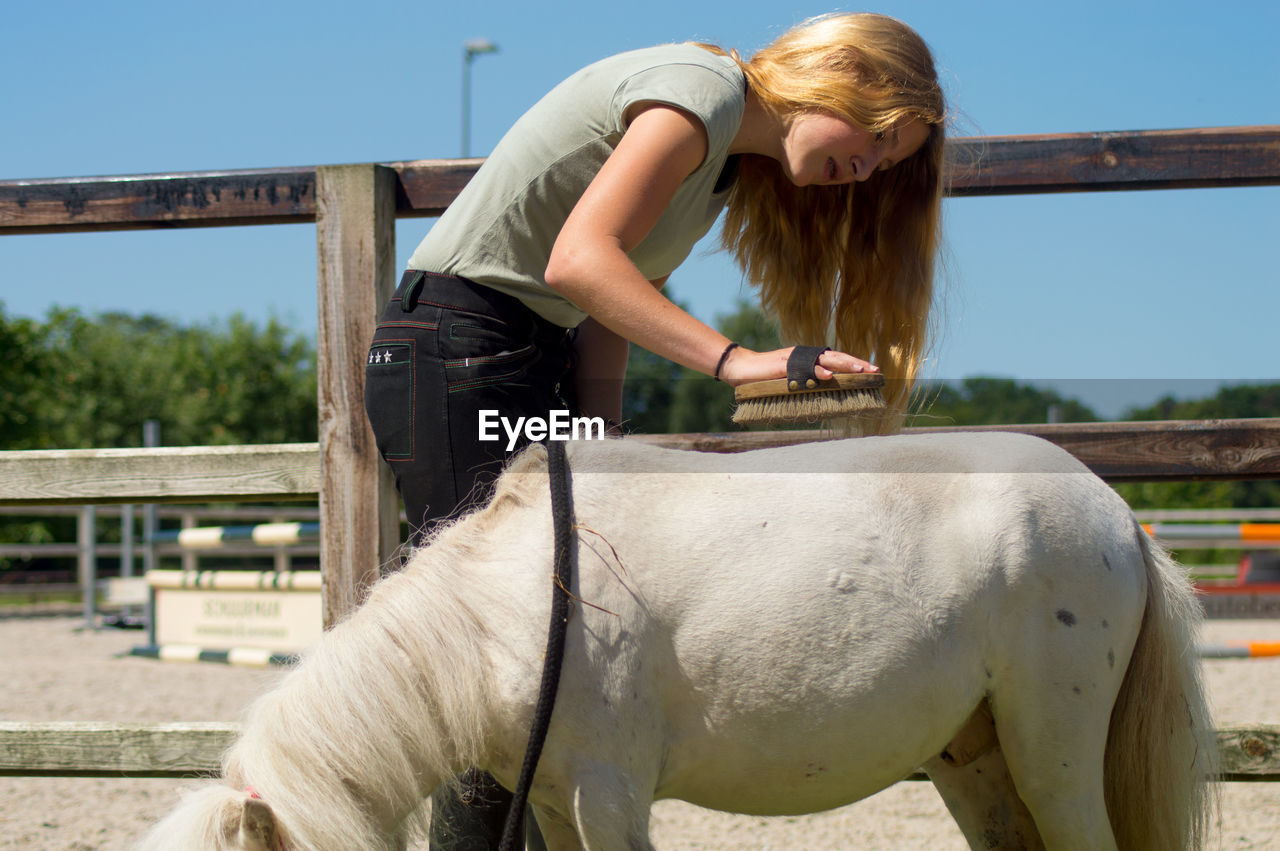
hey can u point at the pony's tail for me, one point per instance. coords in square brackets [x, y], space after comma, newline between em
[1161, 751]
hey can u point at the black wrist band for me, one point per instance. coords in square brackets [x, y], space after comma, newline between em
[724, 356]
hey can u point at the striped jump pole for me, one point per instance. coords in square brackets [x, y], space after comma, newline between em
[244, 657]
[263, 534]
[1245, 533]
[1240, 650]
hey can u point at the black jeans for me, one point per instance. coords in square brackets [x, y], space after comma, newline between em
[444, 350]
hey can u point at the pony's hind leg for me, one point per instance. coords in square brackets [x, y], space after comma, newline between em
[1052, 726]
[973, 780]
[1069, 810]
[981, 798]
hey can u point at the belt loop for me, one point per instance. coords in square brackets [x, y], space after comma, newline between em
[409, 300]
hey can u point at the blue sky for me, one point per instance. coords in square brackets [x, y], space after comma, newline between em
[1113, 297]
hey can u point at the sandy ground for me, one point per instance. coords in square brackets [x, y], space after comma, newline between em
[53, 670]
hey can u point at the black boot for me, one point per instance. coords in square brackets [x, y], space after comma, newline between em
[470, 816]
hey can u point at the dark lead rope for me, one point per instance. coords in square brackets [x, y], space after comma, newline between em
[562, 520]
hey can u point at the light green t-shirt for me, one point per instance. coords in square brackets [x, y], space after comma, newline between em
[501, 228]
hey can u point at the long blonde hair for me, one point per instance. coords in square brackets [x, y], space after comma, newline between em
[852, 265]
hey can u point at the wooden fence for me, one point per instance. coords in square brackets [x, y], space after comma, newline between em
[354, 208]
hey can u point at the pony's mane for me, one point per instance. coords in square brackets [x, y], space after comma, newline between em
[390, 700]
[385, 707]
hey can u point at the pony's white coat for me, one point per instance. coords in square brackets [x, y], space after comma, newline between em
[780, 631]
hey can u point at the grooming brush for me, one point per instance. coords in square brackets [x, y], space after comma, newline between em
[803, 397]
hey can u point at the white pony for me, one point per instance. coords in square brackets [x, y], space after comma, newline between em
[780, 631]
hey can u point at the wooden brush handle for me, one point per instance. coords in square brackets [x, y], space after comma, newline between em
[779, 386]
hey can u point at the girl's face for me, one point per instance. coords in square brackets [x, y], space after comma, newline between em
[822, 149]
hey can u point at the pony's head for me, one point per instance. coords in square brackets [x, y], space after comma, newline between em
[218, 818]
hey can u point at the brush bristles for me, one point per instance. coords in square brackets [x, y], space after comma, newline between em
[807, 407]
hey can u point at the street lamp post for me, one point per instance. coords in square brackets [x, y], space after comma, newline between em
[470, 50]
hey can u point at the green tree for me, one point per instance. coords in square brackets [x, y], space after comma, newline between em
[1235, 401]
[24, 373]
[99, 379]
[981, 400]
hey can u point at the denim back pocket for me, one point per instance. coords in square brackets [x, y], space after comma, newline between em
[472, 334]
[389, 396]
[475, 335]
[480, 351]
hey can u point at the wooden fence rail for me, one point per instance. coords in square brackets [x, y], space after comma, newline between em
[79, 749]
[1191, 449]
[996, 165]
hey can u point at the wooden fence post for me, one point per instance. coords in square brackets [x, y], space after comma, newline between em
[359, 509]
[87, 563]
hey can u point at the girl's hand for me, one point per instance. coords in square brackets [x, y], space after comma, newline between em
[744, 365]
